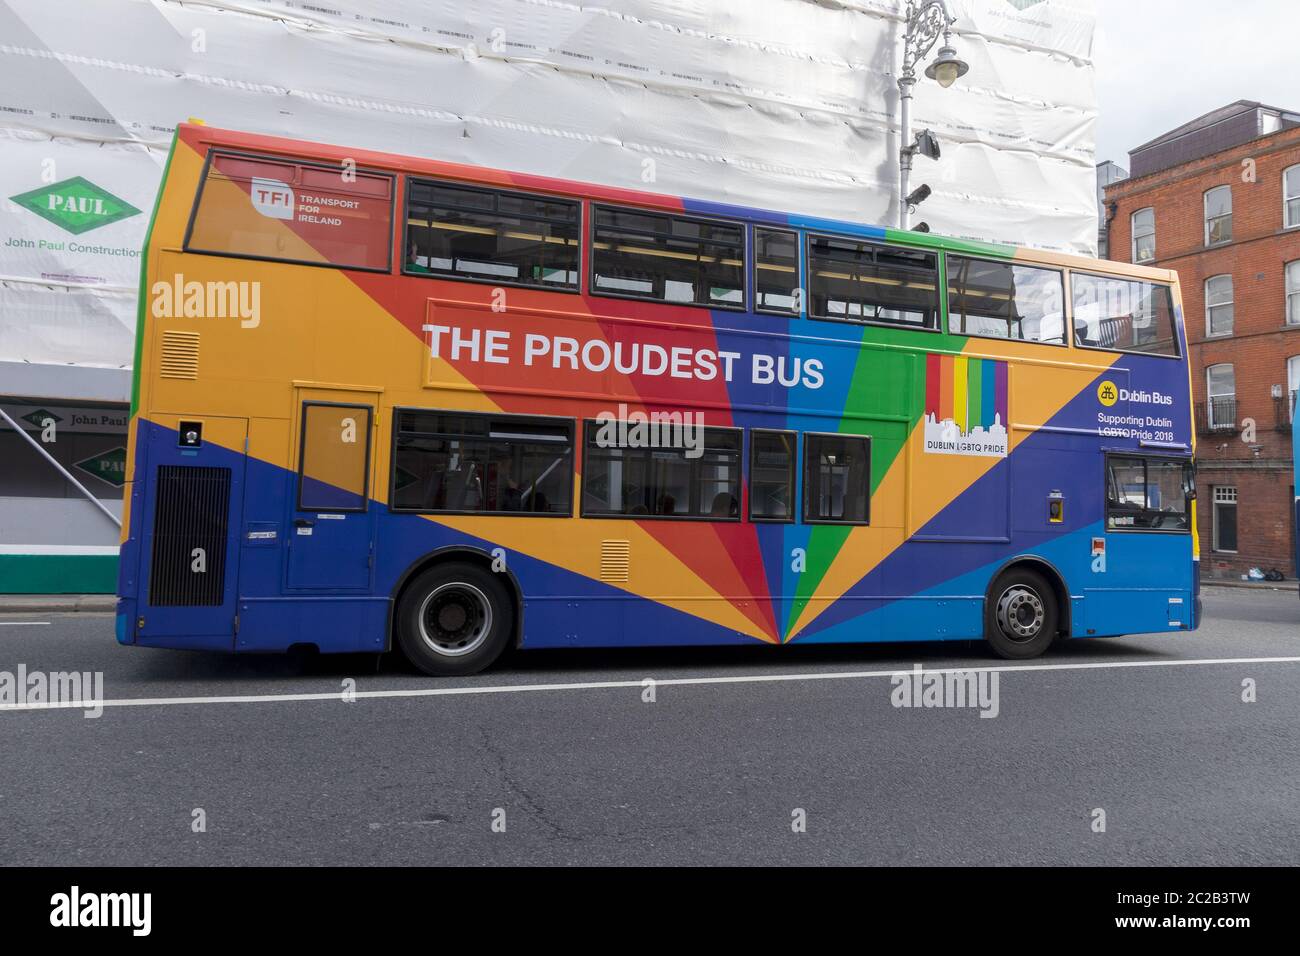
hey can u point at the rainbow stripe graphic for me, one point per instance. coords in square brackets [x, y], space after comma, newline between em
[970, 392]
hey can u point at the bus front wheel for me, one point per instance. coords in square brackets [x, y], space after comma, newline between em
[1021, 618]
[454, 619]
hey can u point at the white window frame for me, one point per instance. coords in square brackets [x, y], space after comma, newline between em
[1291, 279]
[1289, 221]
[1135, 236]
[1206, 214]
[1223, 496]
[1210, 396]
[1211, 306]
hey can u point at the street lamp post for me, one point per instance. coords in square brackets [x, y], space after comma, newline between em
[926, 19]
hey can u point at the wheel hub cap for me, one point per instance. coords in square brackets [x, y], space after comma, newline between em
[455, 619]
[1021, 613]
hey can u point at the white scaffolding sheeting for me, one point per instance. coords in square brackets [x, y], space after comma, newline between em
[783, 104]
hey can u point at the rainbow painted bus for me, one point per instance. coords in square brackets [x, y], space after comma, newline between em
[388, 403]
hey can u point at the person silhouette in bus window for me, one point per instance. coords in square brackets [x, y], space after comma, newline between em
[724, 506]
[509, 497]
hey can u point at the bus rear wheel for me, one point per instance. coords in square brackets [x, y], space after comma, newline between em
[454, 619]
[1021, 618]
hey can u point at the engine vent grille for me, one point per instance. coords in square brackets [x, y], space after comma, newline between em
[180, 355]
[615, 561]
[190, 520]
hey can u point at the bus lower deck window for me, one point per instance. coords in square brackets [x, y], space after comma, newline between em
[771, 475]
[695, 476]
[837, 479]
[469, 463]
[1148, 494]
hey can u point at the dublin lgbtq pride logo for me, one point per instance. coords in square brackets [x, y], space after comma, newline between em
[965, 406]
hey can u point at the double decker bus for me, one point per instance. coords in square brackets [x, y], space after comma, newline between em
[385, 402]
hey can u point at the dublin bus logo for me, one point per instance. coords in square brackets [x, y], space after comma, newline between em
[966, 406]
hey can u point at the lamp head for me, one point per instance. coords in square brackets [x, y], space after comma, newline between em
[947, 68]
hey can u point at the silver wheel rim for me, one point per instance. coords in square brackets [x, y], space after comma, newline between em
[1021, 613]
[455, 619]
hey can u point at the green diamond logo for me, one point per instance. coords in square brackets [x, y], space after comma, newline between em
[109, 466]
[38, 418]
[76, 204]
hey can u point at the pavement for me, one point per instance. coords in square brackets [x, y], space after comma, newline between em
[1184, 745]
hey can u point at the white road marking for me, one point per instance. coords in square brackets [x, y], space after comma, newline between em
[471, 690]
[22, 623]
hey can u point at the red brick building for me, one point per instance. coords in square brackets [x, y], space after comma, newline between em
[1218, 200]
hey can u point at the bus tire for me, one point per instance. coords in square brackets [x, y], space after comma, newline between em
[454, 619]
[1021, 619]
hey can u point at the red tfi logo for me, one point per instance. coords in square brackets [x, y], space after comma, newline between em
[273, 198]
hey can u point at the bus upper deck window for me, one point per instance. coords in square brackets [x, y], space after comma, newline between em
[1125, 315]
[293, 211]
[856, 281]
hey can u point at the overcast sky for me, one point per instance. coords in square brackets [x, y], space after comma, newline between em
[1161, 63]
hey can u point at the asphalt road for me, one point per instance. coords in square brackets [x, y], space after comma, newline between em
[711, 771]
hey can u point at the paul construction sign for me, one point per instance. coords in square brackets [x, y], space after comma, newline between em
[76, 205]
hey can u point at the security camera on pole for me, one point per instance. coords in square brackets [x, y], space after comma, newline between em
[926, 19]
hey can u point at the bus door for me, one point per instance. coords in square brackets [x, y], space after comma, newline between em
[331, 524]
[189, 559]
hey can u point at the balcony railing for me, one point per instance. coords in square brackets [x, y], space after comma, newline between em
[1217, 415]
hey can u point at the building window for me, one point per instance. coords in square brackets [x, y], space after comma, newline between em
[671, 474]
[771, 475]
[1218, 305]
[1224, 519]
[1293, 293]
[460, 463]
[1291, 197]
[489, 236]
[836, 479]
[1148, 494]
[1218, 215]
[853, 281]
[1124, 315]
[672, 259]
[1144, 235]
[1221, 396]
[1003, 301]
[776, 272]
[1292, 383]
